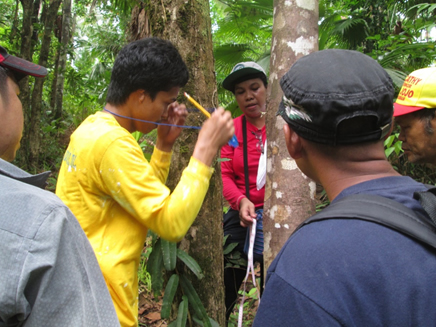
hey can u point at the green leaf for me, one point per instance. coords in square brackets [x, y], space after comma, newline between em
[169, 254]
[389, 140]
[230, 248]
[223, 159]
[153, 235]
[182, 314]
[194, 300]
[170, 292]
[389, 151]
[154, 268]
[200, 323]
[190, 263]
[398, 148]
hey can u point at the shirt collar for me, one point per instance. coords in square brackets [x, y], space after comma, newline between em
[9, 170]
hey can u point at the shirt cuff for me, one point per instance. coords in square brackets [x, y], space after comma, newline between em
[198, 168]
[161, 156]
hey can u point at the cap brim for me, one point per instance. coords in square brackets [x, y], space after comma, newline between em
[281, 109]
[400, 109]
[229, 81]
[23, 66]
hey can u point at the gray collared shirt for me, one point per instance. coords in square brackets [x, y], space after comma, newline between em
[49, 275]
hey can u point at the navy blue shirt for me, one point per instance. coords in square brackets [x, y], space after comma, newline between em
[353, 272]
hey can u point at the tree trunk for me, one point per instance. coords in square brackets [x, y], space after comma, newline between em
[187, 25]
[35, 19]
[48, 17]
[26, 53]
[289, 195]
[65, 39]
[54, 82]
[14, 23]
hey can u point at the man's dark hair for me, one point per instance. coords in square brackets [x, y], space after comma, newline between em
[251, 76]
[426, 116]
[149, 64]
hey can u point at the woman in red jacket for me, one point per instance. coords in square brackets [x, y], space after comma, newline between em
[244, 183]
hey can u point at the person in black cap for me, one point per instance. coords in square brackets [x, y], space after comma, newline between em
[244, 173]
[337, 109]
[49, 275]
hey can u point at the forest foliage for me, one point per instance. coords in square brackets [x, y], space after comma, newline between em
[400, 35]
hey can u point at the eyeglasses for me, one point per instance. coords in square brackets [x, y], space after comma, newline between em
[259, 144]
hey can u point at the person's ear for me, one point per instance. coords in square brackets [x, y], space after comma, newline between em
[293, 142]
[140, 94]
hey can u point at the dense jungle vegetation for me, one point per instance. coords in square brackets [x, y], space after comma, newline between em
[78, 42]
[399, 34]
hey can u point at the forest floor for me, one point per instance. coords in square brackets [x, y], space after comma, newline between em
[149, 308]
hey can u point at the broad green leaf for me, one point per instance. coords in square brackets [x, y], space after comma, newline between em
[190, 263]
[389, 151]
[194, 300]
[169, 252]
[170, 291]
[154, 268]
[182, 314]
[389, 140]
[398, 148]
[230, 248]
[200, 322]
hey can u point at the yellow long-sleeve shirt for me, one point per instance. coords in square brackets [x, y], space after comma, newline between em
[117, 195]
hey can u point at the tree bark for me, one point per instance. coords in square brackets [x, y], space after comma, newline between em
[34, 132]
[25, 53]
[187, 25]
[14, 23]
[65, 39]
[35, 19]
[289, 195]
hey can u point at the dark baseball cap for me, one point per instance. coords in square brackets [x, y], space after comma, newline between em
[20, 67]
[239, 71]
[325, 89]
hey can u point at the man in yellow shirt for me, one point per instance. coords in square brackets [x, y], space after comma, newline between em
[115, 193]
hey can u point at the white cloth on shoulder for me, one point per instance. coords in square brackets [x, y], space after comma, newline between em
[261, 169]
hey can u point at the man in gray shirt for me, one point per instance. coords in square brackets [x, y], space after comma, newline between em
[49, 275]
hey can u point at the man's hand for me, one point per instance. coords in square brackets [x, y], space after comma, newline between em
[247, 212]
[167, 135]
[216, 132]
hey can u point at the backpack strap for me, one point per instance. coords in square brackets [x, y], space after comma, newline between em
[380, 210]
[427, 199]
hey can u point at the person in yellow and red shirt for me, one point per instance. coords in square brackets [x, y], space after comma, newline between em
[115, 193]
[415, 113]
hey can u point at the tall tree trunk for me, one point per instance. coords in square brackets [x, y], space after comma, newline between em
[14, 22]
[26, 53]
[35, 19]
[187, 25]
[54, 82]
[49, 18]
[65, 40]
[289, 195]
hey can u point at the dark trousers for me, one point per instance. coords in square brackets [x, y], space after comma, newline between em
[233, 277]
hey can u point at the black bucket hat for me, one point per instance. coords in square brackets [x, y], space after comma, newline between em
[328, 87]
[20, 67]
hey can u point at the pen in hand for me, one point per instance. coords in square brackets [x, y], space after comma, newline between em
[233, 141]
